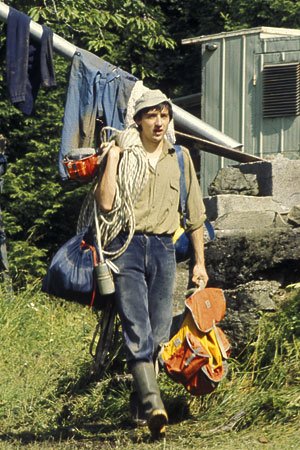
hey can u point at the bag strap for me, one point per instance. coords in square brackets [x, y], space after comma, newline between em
[183, 193]
[98, 234]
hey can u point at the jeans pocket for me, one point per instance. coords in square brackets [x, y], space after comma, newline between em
[166, 242]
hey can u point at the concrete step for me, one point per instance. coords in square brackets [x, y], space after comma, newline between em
[218, 206]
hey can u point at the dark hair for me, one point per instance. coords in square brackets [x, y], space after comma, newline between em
[158, 107]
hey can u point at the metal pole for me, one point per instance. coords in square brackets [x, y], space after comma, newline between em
[60, 45]
[193, 125]
[184, 120]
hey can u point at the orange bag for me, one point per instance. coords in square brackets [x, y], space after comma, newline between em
[196, 355]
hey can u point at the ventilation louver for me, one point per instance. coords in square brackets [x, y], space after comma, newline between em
[281, 90]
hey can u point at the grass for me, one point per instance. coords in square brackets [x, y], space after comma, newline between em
[47, 399]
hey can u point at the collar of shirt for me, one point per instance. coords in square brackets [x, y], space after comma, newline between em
[166, 150]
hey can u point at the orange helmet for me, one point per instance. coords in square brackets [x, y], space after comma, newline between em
[82, 164]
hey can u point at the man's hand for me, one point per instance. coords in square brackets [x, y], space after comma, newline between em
[200, 277]
[111, 149]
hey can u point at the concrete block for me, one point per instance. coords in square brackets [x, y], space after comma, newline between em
[279, 178]
[230, 180]
[245, 220]
[220, 205]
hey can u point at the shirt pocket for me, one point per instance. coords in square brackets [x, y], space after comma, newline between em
[174, 191]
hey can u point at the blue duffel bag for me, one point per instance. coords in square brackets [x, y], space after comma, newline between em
[71, 274]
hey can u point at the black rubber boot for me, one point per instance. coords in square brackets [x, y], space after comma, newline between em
[148, 390]
[138, 415]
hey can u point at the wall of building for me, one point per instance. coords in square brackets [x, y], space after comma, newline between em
[232, 93]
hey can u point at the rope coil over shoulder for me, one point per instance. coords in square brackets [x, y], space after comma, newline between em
[131, 178]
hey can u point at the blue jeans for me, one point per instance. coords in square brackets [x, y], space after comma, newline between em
[144, 293]
[28, 63]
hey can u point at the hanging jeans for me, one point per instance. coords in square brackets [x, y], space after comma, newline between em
[144, 293]
[17, 48]
[28, 64]
[96, 89]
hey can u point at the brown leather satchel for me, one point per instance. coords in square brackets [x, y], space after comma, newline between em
[196, 355]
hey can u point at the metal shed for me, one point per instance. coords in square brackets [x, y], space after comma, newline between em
[250, 90]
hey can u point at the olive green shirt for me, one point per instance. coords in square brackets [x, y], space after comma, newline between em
[157, 208]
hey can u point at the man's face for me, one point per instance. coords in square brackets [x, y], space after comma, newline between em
[154, 124]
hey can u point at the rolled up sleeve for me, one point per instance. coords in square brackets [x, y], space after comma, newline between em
[195, 206]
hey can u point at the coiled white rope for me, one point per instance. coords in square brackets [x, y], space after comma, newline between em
[131, 178]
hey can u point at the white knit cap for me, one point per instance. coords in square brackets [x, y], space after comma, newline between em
[150, 98]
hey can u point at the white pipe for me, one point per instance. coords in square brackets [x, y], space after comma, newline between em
[193, 125]
[60, 45]
[183, 119]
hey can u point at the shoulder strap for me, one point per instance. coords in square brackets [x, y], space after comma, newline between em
[183, 193]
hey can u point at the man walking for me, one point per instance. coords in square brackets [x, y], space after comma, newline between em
[145, 282]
